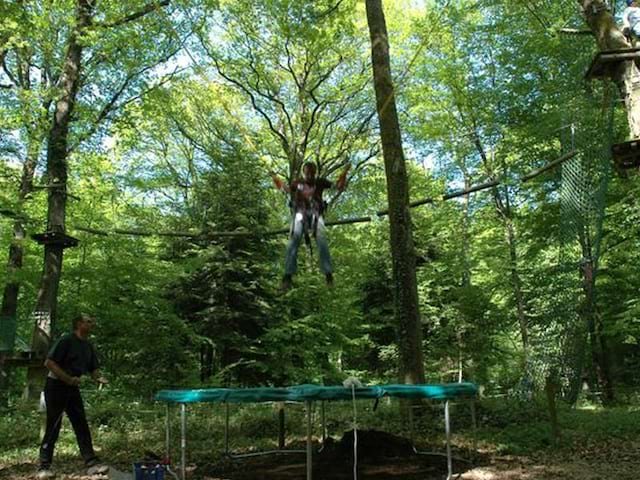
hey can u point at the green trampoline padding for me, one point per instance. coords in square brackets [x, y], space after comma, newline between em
[302, 393]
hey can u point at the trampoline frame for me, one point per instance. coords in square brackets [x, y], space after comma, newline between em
[308, 405]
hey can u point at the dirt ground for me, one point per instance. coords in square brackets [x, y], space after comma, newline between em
[384, 456]
[380, 456]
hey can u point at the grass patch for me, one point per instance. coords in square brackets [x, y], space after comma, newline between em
[125, 431]
[524, 429]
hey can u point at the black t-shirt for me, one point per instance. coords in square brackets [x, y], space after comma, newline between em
[74, 355]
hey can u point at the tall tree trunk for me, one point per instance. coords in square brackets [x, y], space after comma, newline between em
[16, 250]
[503, 208]
[551, 389]
[609, 37]
[597, 342]
[466, 264]
[627, 76]
[57, 151]
[516, 281]
[402, 248]
[466, 238]
[9, 307]
[11, 291]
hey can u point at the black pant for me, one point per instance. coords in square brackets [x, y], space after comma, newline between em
[61, 398]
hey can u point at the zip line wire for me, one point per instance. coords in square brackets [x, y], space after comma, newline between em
[381, 213]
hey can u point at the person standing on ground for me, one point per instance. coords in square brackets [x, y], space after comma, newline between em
[70, 357]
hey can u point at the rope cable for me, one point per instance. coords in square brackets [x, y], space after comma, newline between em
[353, 382]
[355, 433]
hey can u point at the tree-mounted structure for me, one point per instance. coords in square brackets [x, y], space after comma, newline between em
[616, 61]
[58, 239]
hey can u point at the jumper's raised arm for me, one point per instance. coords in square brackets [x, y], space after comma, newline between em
[279, 183]
[341, 183]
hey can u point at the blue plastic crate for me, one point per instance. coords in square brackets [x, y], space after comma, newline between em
[148, 471]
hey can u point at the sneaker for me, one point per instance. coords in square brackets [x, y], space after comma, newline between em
[329, 278]
[97, 469]
[45, 474]
[286, 283]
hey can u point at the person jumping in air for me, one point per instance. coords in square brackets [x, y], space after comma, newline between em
[307, 208]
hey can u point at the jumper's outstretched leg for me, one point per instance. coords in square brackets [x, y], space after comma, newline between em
[291, 256]
[326, 266]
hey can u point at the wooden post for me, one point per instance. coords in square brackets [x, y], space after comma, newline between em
[550, 389]
[309, 442]
[183, 440]
[167, 439]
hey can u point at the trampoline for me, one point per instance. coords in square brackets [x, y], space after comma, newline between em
[308, 394]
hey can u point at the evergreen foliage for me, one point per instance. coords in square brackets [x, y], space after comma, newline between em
[181, 114]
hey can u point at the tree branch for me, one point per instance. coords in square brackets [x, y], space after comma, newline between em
[3, 60]
[152, 7]
[183, 131]
[254, 103]
[329, 11]
[533, 12]
[112, 104]
[269, 93]
[290, 68]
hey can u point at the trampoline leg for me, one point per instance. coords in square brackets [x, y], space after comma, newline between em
[411, 427]
[167, 436]
[474, 423]
[226, 429]
[447, 427]
[183, 440]
[282, 436]
[324, 422]
[309, 442]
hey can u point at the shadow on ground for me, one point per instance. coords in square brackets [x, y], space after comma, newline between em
[380, 456]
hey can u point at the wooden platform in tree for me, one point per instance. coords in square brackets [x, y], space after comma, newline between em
[24, 359]
[55, 238]
[605, 62]
[626, 155]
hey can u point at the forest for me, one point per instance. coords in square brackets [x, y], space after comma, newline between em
[481, 161]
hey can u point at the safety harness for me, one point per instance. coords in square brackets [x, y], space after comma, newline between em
[311, 210]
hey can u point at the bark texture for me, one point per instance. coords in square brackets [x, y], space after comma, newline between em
[627, 77]
[402, 247]
[57, 153]
[9, 307]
